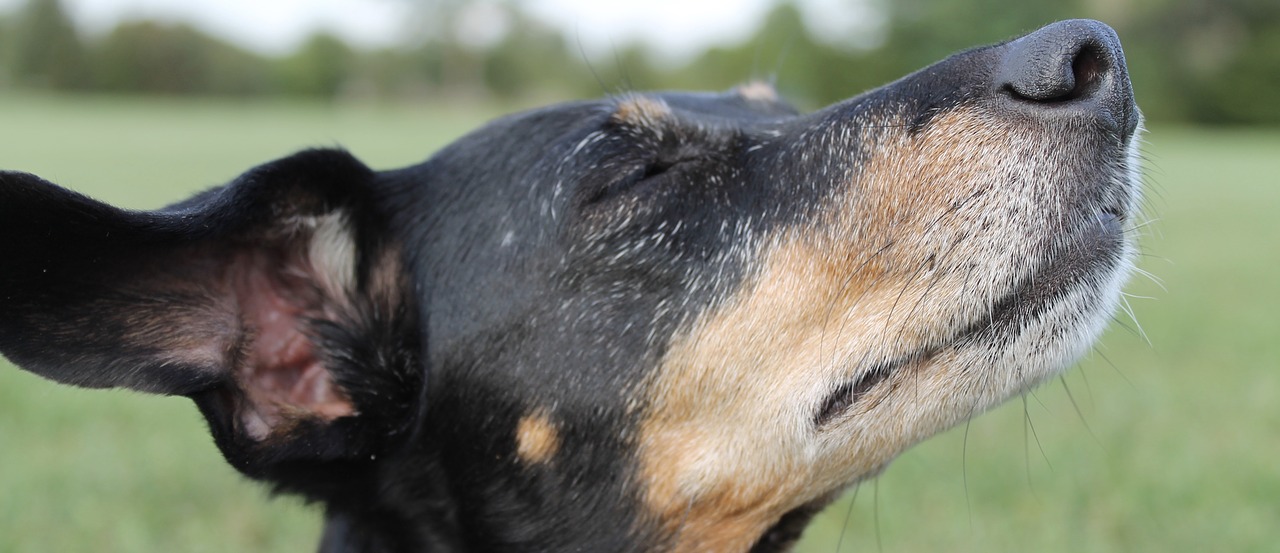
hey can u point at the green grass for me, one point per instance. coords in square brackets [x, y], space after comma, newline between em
[1176, 446]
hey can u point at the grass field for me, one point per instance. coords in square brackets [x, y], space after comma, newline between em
[1175, 445]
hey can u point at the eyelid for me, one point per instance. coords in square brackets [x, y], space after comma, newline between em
[621, 183]
[850, 393]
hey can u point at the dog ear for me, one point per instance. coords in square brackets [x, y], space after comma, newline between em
[277, 302]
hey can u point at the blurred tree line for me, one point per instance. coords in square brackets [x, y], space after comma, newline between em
[1200, 61]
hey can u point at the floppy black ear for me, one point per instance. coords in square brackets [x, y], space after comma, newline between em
[277, 303]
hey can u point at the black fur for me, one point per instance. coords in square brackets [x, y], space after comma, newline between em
[543, 260]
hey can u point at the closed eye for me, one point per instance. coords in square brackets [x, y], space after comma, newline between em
[636, 178]
[659, 167]
[847, 394]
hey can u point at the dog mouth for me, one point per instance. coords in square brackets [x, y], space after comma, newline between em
[1084, 260]
[1086, 257]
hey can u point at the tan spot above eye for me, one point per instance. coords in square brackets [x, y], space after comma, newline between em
[537, 439]
[641, 111]
[759, 91]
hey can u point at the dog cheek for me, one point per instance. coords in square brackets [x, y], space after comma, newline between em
[724, 450]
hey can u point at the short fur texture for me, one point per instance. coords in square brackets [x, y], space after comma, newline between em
[658, 322]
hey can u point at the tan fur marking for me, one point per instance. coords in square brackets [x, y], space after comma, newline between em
[758, 91]
[723, 459]
[641, 111]
[537, 439]
[727, 446]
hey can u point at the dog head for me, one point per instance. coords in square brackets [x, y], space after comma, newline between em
[677, 322]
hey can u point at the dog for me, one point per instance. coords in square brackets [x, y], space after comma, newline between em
[656, 322]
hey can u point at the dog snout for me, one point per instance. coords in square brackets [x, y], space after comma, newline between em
[1071, 68]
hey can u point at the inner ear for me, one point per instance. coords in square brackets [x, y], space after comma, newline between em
[284, 293]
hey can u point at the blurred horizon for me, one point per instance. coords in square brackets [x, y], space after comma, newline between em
[1191, 61]
[674, 29]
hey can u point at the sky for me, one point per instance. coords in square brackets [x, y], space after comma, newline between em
[676, 28]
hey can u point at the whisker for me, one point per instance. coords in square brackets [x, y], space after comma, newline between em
[875, 495]
[1153, 278]
[935, 261]
[1116, 321]
[848, 281]
[624, 76]
[848, 515]
[1079, 413]
[1039, 401]
[1148, 223]
[1115, 368]
[1026, 447]
[586, 60]
[1128, 309]
[1088, 388]
[964, 469]
[1036, 437]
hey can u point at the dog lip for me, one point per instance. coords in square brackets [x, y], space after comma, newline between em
[1092, 248]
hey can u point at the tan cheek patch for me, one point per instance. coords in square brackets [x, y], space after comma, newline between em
[723, 450]
[537, 439]
[726, 444]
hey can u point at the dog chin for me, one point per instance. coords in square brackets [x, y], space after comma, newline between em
[1033, 341]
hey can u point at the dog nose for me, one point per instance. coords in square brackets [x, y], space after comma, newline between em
[1074, 66]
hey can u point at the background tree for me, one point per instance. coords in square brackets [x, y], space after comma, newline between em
[150, 57]
[923, 31]
[1208, 61]
[321, 68]
[46, 51]
[1200, 61]
[529, 57]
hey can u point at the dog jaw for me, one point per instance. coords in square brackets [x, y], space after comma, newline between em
[904, 269]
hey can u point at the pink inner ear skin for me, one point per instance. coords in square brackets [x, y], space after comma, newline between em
[281, 375]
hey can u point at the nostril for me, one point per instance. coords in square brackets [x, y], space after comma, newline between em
[1087, 68]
